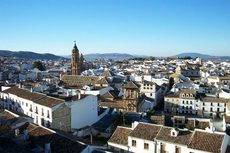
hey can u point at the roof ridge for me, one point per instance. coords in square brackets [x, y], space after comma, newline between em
[158, 133]
[190, 140]
[151, 124]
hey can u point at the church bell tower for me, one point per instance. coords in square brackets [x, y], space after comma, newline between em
[75, 67]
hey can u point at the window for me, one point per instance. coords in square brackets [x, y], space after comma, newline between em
[162, 147]
[203, 104]
[42, 122]
[36, 120]
[211, 109]
[42, 112]
[186, 102]
[26, 104]
[211, 104]
[177, 150]
[48, 114]
[31, 108]
[48, 124]
[183, 102]
[134, 143]
[36, 110]
[146, 146]
[190, 102]
[218, 104]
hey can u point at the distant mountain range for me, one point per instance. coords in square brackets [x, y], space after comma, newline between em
[203, 56]
[113, 56]
[47, 56]
[91, 57]
[29, 55]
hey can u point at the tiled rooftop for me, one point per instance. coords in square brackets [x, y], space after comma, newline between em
[145, 131]
[198, 139]
[120, 136]
[38, 98]
[209, 142]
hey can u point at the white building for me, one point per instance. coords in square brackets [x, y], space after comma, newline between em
[186, 101]
[76, 112]
[36, 105]
[148, 88]
[224, 93]
[84, 111]
[145, 137]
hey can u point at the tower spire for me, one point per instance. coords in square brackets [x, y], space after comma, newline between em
[74, 43]
[75, 46]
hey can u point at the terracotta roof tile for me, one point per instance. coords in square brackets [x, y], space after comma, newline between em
[182, 138]
[23, 93]
[131, 85]
[38, 98]
[40, 136]
[210, 142]
[78, 80]
[215, 99]
[120, 136]
[145, 131]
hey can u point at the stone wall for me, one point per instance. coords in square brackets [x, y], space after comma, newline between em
[62, 118]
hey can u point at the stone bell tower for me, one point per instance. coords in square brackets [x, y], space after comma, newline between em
[75, 61]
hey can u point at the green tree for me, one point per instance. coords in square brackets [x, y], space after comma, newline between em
[39, 65]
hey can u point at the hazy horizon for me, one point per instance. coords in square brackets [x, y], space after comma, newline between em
[154, 28]
[130, 53]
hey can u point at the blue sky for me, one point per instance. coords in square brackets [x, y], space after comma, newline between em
[144, 27]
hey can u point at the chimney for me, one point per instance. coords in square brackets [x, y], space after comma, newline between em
[60, 76]
[47, 148]
[31, 89]
[78, 95]
[142, 79]
[20, 85]
[91, 137]
[134, 124]
[174, 132]
[67, 93]
[212, 128]
[16, 132]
